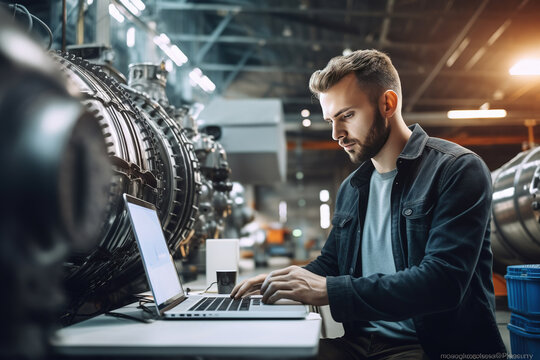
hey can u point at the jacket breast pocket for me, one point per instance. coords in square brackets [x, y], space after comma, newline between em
[418, 216]
[342, 226]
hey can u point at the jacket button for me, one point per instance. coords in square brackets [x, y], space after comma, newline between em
[407, 212]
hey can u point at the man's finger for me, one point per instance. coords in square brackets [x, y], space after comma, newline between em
[248, 286]
[269, 280]
[274, 287]
[280, 294]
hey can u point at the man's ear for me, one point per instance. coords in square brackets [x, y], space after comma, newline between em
[388, 103]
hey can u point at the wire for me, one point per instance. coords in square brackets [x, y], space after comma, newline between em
[215, 282]
[48, 29]
[128, 317]
[28, 15]
[31, 17]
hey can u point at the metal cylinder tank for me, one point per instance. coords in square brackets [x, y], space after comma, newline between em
[515, 224]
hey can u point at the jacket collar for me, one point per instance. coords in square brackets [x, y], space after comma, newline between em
[412, 150]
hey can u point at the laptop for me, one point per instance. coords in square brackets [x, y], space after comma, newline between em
[169, 297]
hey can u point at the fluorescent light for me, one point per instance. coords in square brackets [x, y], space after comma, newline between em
[130, 37]
[325, 216]
[113, 11]
[457, 53]
[282, 211]
[530, 66]
[162, 39]
[305, 113]
[169, 68]
[139, 4]
[173, 52]
[324, 195]
[306, 122]
[196, 75]
[132, 8]
[206, 84]
[178, 56]
[476, 114]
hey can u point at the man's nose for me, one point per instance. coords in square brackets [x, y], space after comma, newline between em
[337, 131]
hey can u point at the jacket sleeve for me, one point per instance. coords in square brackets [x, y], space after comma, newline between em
[458, 228]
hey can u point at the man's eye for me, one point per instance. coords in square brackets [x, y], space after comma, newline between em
[348, 115]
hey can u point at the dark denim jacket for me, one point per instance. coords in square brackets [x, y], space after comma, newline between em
[441, 201]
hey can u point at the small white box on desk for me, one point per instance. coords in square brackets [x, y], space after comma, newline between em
[221, 254]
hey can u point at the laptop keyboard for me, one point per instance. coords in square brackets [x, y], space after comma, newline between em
[224, 304]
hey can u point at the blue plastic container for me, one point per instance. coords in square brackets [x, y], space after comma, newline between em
[523, 288]
[524, 335]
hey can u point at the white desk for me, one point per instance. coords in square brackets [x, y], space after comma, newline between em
[105, 335]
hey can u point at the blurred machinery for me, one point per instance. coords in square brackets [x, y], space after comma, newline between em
[153, 160]
[54, 189]
[515, 225]
[241, 214]
[214, 203]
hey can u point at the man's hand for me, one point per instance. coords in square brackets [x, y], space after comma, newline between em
[294, 283]
[248, 287]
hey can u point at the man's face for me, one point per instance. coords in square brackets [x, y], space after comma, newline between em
[357, 123]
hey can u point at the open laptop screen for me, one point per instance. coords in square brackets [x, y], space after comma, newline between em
[157, 260]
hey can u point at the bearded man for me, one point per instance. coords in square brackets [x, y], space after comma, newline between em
[407, 267]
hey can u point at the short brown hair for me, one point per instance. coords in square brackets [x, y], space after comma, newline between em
[373, 69]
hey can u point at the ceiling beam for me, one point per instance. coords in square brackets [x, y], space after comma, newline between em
[307, 70]
[241, 64]
[293, 122]
[461, 140]
[213, 38]
[277, 40]
[174, 5]
[442, 61]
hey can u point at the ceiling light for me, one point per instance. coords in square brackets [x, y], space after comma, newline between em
[324, 195]
[325, 216]
[476, 114]
[305, 113]
[529, 66]
[196, 75]
[297, 232]
[347, 51]
[282, 209]
[457, 53]
[287, 32]
[89, 2]
[139, 4]
[132, 8]
[306, 123]
[169, 65]
[178, 56]
[130, 37]
[113, 11]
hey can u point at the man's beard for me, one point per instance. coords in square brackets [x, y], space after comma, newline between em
[375, 140]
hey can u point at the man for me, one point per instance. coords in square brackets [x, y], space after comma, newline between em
[407, 265]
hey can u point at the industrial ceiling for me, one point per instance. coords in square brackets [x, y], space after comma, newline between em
[450, 55]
